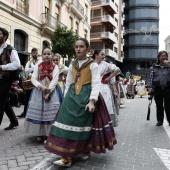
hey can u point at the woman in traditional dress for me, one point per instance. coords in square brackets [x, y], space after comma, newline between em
[141, 88]
[115, 91]
[44, 102]
[104, 69]
[80, 125]
[131, 87]
[122, 86]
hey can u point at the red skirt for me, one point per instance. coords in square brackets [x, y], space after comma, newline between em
[102, 136]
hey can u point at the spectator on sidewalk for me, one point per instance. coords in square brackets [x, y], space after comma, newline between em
[9, 61]
[159, 85]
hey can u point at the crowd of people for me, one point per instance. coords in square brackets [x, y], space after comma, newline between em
[73, 109]
[67, 107]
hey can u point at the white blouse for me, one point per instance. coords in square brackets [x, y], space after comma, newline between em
[63, 69]
[35, 81]
[95, 79]
[29, 68]
[15, 61]
[105, 68]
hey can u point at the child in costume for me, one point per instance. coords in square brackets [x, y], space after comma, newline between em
[62, 75]
[44, 101]
[82, 124]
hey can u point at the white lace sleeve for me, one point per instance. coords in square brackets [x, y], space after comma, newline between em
[54, 81]
[34, 78]
[68, 79]
[96, 81]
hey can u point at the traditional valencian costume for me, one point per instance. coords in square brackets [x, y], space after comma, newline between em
[141, 88]
[41, 114]
[76, 130]
[63, 70]
[62, 73]
[131, 88]
[105, 90]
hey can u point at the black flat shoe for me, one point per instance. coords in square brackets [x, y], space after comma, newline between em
[21, 115]
[11, 126]
[159, 123]
[45, 137]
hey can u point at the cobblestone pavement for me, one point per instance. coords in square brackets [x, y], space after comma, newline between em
[140, 146]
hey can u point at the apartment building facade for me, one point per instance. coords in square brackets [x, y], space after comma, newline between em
[32, 22]
[107, 28]
[141, 36]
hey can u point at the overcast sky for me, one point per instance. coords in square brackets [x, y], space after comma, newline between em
[164, 22]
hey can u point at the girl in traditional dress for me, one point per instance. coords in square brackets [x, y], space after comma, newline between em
[80, 125]
[62, 71]
[104, 69]
[44, 102]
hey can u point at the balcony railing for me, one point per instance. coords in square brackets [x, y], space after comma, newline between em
[77, 5]
[93, 1]
[110, 19]
[105, 3]
[50, 20]
[22, 7]
[102, 1]
[110, 53]
[116, 30]
[104, 35]
[104, 18]
[116, 1]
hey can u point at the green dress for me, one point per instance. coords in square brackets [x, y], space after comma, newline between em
[73, 122]
[65, 125]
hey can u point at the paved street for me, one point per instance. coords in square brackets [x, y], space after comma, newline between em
[141, 145]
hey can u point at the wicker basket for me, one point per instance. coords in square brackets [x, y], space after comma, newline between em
[27, 85]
